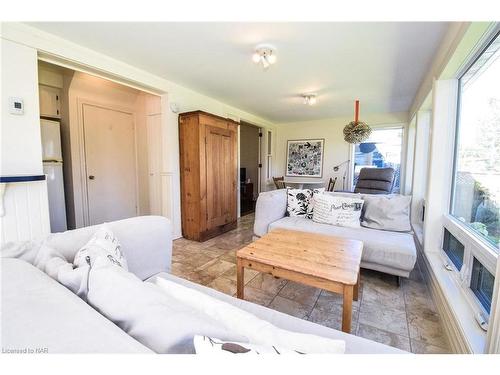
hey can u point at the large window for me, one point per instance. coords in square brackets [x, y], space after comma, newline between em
[476, 185]
[381, 150]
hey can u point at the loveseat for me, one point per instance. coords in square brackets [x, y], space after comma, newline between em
[385, 251]
[39, 315]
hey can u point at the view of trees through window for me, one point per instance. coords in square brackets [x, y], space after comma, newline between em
[476, 198]
[381, 150]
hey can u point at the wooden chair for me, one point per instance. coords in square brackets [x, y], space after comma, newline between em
[279, 182]
[331, 184]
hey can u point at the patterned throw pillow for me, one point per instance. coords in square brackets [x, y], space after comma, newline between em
[298, 202]
[102, 244]
[213, 346]
[310, 207]
[340, 211]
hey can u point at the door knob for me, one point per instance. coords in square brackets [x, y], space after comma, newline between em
[91, 177]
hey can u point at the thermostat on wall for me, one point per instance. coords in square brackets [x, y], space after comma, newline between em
[16, 106]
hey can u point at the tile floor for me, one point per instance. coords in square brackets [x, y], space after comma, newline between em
[404, 317]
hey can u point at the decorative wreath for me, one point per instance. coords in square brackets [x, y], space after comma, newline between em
[356, 131]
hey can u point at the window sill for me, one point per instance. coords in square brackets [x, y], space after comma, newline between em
[457, 303]
[418, 229]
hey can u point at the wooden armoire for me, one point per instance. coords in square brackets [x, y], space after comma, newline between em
[208, 167]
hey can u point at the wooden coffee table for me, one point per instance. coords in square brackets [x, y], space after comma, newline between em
[318, 260]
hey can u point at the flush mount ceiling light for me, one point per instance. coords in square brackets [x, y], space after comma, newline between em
[309, 99]
[264, 54]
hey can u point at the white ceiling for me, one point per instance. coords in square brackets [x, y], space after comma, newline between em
[382, 64]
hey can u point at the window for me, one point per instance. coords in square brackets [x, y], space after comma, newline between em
[482, 282]
[383, 149]
[476, 180]
[454, 249]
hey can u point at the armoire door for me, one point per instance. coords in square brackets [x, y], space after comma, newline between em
[220, 176]
[110, 164]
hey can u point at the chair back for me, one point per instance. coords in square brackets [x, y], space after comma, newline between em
[279, 182]
[331, 184]
[280, 185]
[375, 181]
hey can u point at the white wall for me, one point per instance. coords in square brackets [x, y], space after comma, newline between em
[21, 143]
[25, 204]
[336, 149]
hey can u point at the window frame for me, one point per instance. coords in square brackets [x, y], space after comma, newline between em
[473, 248]
[461, 74]
[404, 145]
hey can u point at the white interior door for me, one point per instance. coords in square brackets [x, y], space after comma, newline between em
[110, 164]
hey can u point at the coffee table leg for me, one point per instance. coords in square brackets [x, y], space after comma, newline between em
[240, 277]
[356, 288]
[347, 308]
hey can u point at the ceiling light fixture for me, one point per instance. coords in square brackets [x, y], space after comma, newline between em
[309, 99]
[264, 54]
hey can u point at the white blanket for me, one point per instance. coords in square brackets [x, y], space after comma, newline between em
[166, 316]
[256, 330]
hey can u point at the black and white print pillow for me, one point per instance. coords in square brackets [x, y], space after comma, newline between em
[310, 207]
[298, 202]
[213, 346]
[340, 211]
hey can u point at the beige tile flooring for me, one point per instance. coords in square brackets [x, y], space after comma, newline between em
[404, 317]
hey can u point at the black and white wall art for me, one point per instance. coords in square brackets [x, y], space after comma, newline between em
[304, 158]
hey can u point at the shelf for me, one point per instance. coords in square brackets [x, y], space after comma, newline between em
[11, 179]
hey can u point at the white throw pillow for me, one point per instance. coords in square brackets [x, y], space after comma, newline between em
[340, 211]
[103, 243]
[387, 212]
[310, 207]
[212, 346]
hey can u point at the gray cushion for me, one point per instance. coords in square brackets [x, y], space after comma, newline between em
[375, 181]
[354, 344]
[387, 212]
[38, 312]
[391, 249]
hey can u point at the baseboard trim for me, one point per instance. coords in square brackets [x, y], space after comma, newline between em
[456, 337]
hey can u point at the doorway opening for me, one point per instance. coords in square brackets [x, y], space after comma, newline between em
[101, 144]
[250, 166]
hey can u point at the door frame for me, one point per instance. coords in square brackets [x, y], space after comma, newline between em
[259, 162]
[81, 102]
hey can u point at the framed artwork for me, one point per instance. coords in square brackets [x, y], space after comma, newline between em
[304, 158]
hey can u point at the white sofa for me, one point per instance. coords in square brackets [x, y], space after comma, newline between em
[39, 314]
[386, 251]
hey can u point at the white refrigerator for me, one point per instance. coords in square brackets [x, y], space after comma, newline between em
[53, 169]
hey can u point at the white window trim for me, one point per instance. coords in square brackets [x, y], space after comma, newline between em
[474, 247]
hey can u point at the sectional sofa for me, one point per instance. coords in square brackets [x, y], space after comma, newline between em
[41, 315]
